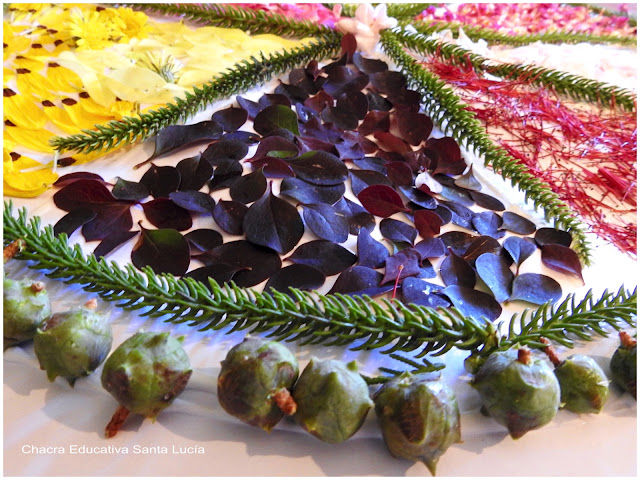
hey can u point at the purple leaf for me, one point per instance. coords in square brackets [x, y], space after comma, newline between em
[203, 239]
[230, 119]
[480, 245]
[468, 181]
[306, 192]
[428, 223]
[248, 188]
[273, 167]
[546, 236]
[178, 136]
[381, 200]
[254, 264]
[378, 102]
[390, 143]
[375, 121]
[457, 241]
[488, 223]
[164, 250]
[225, 150]
[398, 231]
[387, 81]
[73, 221]
[319, 168]
[367, 65]
[132, 191]
[449, 157]
[220, 272]
[495, 273]
[371, 163]
[519, 249]
[419, 197]
[229, 216]
[357, 217]
[562, 259]
[431, 248]
[65, 180]
[460, 215]
[535, 288]
[517, 224]
[340, 117]
[163, 213]
[324, 255]
[473, 303]
[403, 264]
[275, 147]
[400, 174]
[270, 99]
[193, 201]
[274, 223]
[412, 127]
[455, 271]
[371, 253]
[113, 241]
[361, 179]
[161, 181]
[456, 195]
[194, 173]
[302, 277]
[276, 116]
[326, 222]
[487, 201]
[420, 292]
[356, 279]
[225, 174]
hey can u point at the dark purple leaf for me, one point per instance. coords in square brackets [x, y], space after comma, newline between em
[387, 81]
[73, 221]
[230, 119]
[317, 103]
[356, 103]
[405, 98]
[495, 273]
[562, 259]
[371, 253]
[418, 197]
[193, 201]
[254, 263]
[412, 127]
[535, 288]
[455, 271]
[371, 163]
[225, 174]
[319, 168]
[403, 264]
[517, 224]
[352, 146]
[113, 241]
[468, 181]
[381, 200]
[367, 65]
[326, 221]
[398, 231]
[82, 192]
[324, 255]
[420, 292]
[275, 147]
[293, 93]
[400, 174]
[177, 136]
[427, 222]
[390, 143]
[164, 250]
[431, 248]
[488, 223]
[356, 215]
[194, 173]
[449, 157]
[220, 272]
[460, 215]
[519, 249]
[344, 80]
[487, 201]
[546, 236]
[356, 279]
[161, 181]
[132, 191]
[340, 117]
[65, 180]
[457, 241]
[248, 138]
[456, 195]
[473, 303]
[224, 150]
[378, 102]
[110, 217]
[361, 179]
[203, 239]
[273, 167]
[274, 223]
[276, 116]
[480, 245]
[306, 192]
[229, 216]
[375, 121]
[248, 188]
[427, 270]
[444, 213]
[252, 108]
[302, 277]
[163, 213]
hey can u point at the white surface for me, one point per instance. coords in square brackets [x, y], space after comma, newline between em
[40, 414]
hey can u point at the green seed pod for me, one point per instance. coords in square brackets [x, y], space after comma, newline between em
[584, 387]
[147, 372]
[255, 380]
[419, 417]
[332, 400]
[624, 364]
[518, 391]
[73, 344]
[25, 305]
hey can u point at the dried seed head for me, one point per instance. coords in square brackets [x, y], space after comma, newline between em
[24, 309]
[624, 364]
[584, 386]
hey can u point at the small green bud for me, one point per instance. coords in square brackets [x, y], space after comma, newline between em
[332, 400]
[25, 305]
[624, 364]
[419, 417]
[518, 391]
[254, 382]
[73, 344]
[584, 387]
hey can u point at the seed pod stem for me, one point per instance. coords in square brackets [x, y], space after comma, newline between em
[550, 352]
[13, 249]
[285, 401]
[627, 340]
[116, 422]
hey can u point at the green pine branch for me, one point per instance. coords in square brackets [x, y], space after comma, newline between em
[604, 12]
[571, 86]
[450, 114]
[407, 11]
[496, 38]
[230, 16]
[243, 76]
[309, 318]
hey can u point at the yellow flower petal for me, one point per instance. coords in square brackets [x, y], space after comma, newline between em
[37, 140]
[33, 64]
[22, 110]
[29, 82]
[59, 117]
[62, 79]
[18, 182]
[81, 117]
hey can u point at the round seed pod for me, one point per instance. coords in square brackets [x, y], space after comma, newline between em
[419, 417]
[255, 380]
[332, 400]
[145, 374]
[584, 387]
[624, 364]
[25, 305]
[518, 391]
[74, 343]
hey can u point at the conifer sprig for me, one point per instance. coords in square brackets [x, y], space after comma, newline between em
[307, 317]
[243, 76]
[449, 113]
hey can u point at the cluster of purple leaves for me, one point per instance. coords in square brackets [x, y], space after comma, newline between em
[313, 134]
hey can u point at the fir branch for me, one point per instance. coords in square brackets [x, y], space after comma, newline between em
[243, 76]
[451, 116]
[604, 12]
[230, 16]
[496, 38]
[562, 83]
[407, 11]
[308, 317]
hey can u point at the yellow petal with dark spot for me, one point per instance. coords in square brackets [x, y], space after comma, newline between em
[26, 183]
[59, 117]
[30, 82]
[62, 79]
[22, 110]
[33, 64]
[81, 117]
[37, 140]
